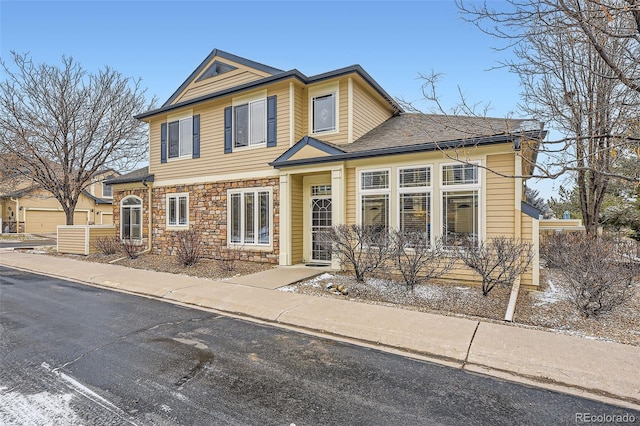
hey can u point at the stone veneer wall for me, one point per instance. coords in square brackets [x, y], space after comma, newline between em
[208, 217]
[142, 193]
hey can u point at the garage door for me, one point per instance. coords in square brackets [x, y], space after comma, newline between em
[45, 221]
[107, 219]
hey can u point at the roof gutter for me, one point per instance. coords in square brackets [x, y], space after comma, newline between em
[293, 74]
[431, 146]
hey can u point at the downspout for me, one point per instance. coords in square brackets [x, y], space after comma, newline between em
[150, 238]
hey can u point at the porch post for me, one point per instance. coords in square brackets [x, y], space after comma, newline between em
[338, 213]
[285, 220]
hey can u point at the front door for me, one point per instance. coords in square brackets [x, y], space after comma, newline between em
[320, 221]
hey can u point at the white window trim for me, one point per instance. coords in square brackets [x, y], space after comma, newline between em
[179, 117]
[427, 189]
[246, 100]
[256, 191]
[176, 196]
[361, 192]
[463, 188]
[319, 91]
[122, 206]
[106, 196]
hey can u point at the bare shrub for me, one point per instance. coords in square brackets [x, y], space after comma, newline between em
[599, 269]
[130, 247]
[417, 259]
[107, 245]
[189, 250]
[227, 258]
[499, 261]
[363, 247]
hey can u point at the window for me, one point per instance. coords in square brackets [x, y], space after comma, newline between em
[460, 204]
[324, 113]
[250, 217]
[250, 123]
[107, 191]
[181, 138]
[414, 192]
[178, 209]
[131, 218]
[374, 198]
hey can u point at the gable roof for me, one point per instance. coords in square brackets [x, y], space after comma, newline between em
[139, 175]
[275, 77]
[225, 55]
[415, 132]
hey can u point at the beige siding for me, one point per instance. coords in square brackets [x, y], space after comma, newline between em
[99, 232]
[527, 236]
[241, 75]
[500, 213]
[341, 136]
[71, 240]
[308, 152]
[368, 112]
[297, 236]
[300, 117]
[350, 187]
[213, 160]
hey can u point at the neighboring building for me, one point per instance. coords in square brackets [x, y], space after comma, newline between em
[260, 159]
[25, 207]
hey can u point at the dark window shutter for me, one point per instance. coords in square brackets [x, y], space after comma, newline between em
[227, 131]
[271, 121]
[163, 143]
[196, 136]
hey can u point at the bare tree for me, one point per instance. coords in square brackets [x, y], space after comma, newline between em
[599, 271]
[364, 248]
[499, 261]
[610, 27]
[61, 125]
[568, 84]
[417, 259]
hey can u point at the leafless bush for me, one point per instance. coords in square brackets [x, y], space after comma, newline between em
[599, 269]
[417, 259]
[189, 247]
[107, 244]
[130, 247]
[499, 261]
[363, 247]
[227, 258]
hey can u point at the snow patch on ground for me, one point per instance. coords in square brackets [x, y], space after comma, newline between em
[42, 408]
[428, 292]
[288, 288]
[551, 294]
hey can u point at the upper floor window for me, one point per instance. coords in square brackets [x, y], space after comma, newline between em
[107, 191]
[180, 138]
[178, 209]
[250, 123]
[324, 113]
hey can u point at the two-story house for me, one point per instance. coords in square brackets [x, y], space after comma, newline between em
[260, 159]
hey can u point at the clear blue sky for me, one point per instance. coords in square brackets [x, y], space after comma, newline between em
[162, 42]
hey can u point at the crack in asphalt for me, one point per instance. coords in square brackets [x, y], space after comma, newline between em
[466, 358]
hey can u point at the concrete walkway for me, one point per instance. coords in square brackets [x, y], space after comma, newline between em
[590, 368]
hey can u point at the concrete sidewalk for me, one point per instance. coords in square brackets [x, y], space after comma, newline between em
[590, 368]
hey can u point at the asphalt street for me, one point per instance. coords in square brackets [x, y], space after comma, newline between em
[74, 354]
